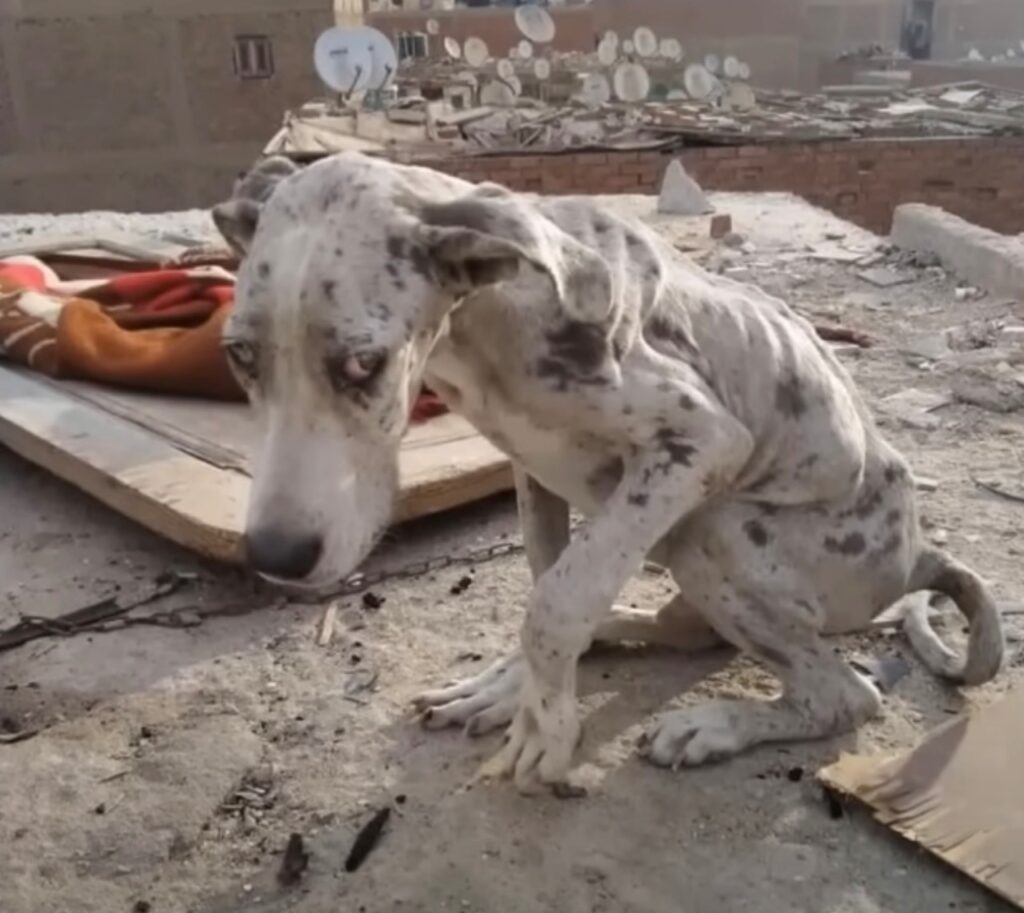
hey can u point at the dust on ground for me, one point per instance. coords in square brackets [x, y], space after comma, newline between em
[172, 765]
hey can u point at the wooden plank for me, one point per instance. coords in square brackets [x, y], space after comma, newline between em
[131, 462]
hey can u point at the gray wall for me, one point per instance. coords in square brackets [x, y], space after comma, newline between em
[135, 105]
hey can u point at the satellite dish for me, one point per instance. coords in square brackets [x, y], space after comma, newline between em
[475, 51]
[700, 84]
[612, 37]
[607, 52]
[535, 23]
[712, 64]
[541, 68]
[433, 26]
[670, 49]
[447, 4]
[632, 83]
[744, 71]
[497, 94]
[739, 97]
[731, 67]
[452, 48]
[595, 90]
[468, 77]
[343, 60]
[515, 84]
[627, 47]
[506, 69]
[645, 42]
[525, 49]
[382, 54]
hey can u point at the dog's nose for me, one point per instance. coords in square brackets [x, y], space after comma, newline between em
[277, 553]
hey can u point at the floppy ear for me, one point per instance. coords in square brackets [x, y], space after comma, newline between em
[483, 237]
[236, 219]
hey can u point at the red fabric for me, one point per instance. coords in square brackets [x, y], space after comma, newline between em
[23, 275]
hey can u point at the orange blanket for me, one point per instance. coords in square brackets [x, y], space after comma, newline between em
[154, 331]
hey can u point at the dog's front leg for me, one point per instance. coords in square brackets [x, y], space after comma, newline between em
[670, 475]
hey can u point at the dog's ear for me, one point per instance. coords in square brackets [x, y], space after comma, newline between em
[237, 218]
[483, 237]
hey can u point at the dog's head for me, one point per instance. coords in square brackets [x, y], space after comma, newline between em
[348, 274]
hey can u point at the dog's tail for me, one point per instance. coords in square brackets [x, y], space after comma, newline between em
[937, 571]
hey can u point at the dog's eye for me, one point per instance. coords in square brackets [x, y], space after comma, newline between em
[355, 369]
[242, 356]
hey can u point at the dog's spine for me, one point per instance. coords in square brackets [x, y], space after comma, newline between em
[937, 571]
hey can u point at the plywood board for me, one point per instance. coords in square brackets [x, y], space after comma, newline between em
[958, 793]
[180, 467]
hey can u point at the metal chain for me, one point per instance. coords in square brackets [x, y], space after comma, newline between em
[113, 617]
[360, 583]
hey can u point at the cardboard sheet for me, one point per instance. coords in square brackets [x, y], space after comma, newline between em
[958, 793]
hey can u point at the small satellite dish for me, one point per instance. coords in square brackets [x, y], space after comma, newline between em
[452, 48]
[497, 94]
[712, 64]
[506, 69]
[468, 77]
[677, 95]
[744, 71]
[645, 42]
[515, 84]
[542, 68]
[447, 4]
[1012, 52]
[631, 82]
[975, 54]
[670, 49]
[525, 50]
[739, 97]
[535, 23]
[343, 59]
[612, 37]
[627, 47]
[433, 26]
[475, 51]
[595, 90]
[731, 67]
[607, 52]
[700, 84]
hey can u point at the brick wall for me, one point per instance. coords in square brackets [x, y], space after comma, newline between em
[981, 180]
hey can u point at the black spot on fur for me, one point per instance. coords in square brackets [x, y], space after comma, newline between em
[329, 286]
[807, 462]
[638, 498]
[601, 226]
[852, 544]
[677, 449]
[263, 269]
[893, 517]
[687, 403]
[576, 352]
[756, 533]
[338, 252]
[667, 330]
[603, 481]
[894, 472]
[869, 501]
[632, 240]
[396, 246]
[789, 398]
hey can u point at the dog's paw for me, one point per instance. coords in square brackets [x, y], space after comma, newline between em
[480, 704]
[539, 744]
[698, 735]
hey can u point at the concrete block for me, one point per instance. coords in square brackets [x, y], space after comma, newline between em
[984, 258]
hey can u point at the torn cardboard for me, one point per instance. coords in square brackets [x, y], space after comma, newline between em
[957, 793]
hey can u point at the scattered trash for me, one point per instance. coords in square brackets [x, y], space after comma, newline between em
[325, 631]
[372, 601]
[720, 225]
[834, 803]
[998, 490]
[461, 586]
[884, 277]
[294, 862]
[884, 671]
[680, 194]
[924, 483]
[367, 839]
[795, 774]
[989, 390]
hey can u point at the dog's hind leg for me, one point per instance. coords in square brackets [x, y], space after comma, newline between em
[779, 626]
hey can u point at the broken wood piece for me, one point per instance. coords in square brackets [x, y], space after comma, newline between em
[367, 839]
[833, 333]
[325, 631]
[295, 861]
